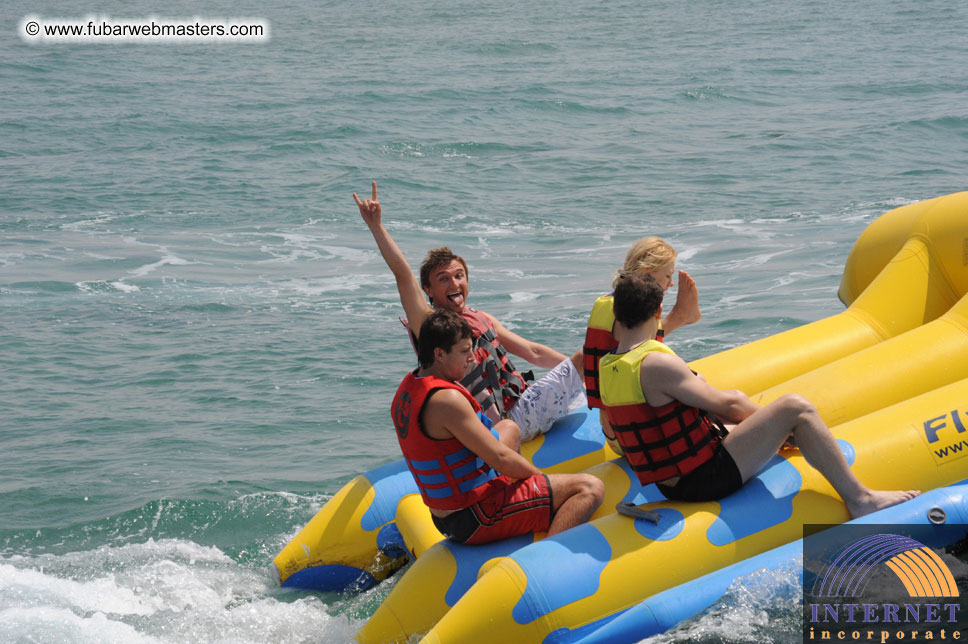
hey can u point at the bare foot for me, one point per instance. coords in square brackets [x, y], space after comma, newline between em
[875, 500]
[686, 309]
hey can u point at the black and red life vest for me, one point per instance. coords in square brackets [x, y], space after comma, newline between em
[599, 341]
[659, 442]
[448, 475]
[494, 382]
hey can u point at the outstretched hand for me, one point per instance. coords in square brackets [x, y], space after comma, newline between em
[686, 310]
[370, 209]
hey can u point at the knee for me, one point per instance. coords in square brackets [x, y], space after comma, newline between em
[578, 360]
[797, 404]
[509, 431]
[592, 487]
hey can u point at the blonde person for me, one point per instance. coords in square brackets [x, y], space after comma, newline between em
[648, 256]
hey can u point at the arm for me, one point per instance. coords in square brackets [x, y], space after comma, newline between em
[686, 310]
[449, 414]
[411, 296]
[664, 376]
[534, 352]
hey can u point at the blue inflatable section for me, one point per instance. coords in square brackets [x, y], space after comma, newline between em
[771, 492]
[574, 435]
[671, 523]
[391, 482]
[638, 494]
[579, 553]
[848, 450]
[390, 541]
[661, 612]
[331, 578]
[470, 559]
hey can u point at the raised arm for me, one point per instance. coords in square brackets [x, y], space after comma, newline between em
[411, 296]
[664, 377]
[448, 410]
[534, 352]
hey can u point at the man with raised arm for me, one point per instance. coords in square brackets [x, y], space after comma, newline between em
[501, 390]
[667, 418]
[477, 486]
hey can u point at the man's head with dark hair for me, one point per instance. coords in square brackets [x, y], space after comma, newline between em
[637, 299]
[441, 329]
[437, 258]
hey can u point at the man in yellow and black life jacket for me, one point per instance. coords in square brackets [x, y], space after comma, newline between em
[469, 471]
[666, 418]
[501, 390]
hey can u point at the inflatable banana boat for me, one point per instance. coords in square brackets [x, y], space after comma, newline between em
[944, 511]
[888, 375]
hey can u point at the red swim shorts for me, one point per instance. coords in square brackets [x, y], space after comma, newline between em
[515, 507]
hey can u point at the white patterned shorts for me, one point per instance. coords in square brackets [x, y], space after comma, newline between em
[547, 399]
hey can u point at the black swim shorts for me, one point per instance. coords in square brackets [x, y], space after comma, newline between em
[711, 481]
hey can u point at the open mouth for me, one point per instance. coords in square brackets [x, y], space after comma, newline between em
[457, 298]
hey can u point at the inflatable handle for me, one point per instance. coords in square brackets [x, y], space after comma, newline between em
[629, 509]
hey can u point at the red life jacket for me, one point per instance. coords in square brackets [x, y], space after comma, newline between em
[494, 382]
[599, 341]
[448, 475]
[659, 442]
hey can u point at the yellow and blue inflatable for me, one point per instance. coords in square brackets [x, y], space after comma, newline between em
[889, 375]
[356, 541]
[944, 510]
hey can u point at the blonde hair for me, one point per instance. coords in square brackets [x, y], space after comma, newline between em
[646, 255]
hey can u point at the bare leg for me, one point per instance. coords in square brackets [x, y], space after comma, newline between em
[509, 434]
[755, 440]
[578, 361]
[576, 497]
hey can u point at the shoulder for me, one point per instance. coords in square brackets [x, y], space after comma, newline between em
[486, 317]
[660, 363]
[449, 399]
[483, 314]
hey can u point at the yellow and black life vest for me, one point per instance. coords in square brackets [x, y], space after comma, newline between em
[659, 442]
[599, 341]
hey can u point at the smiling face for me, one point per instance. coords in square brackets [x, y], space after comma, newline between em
[447, 287]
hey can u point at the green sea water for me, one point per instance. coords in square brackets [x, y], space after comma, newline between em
[199, 341]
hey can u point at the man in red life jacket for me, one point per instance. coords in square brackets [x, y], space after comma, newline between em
[471, 476]
[501, 390]
[664, 415]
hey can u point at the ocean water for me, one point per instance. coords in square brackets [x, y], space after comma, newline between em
[198, 339]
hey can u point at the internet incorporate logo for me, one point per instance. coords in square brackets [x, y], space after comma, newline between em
[917, 567]
[844, 601]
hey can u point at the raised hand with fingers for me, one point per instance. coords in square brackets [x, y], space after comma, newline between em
[370, 209]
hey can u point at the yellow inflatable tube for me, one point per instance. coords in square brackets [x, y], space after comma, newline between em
[913, 254]
[614, 562]
[902, 367]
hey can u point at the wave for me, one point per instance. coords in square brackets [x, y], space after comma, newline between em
[157, 591]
